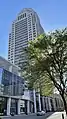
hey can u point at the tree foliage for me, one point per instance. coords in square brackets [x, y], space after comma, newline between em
[36, 78]
[48, 55]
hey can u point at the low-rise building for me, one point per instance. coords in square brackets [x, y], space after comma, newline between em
[15, 96]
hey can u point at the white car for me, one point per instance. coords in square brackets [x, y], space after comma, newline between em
[41, 113]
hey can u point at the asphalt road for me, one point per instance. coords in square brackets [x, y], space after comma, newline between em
[28, 116]
[56, 115]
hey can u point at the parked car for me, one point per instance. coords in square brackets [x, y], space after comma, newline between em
[12, 113]
[41, 113]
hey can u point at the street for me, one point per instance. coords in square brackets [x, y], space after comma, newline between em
[56, 115]
[33, 116]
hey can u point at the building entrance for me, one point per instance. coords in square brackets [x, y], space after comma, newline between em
[3, 106]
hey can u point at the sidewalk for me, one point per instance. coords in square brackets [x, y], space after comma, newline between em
[57, 115]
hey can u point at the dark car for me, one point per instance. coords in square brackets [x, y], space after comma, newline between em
[12, 113]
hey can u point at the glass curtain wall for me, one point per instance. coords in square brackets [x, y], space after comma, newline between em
[10, 84]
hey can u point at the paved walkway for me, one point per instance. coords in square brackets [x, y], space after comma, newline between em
[57, 115]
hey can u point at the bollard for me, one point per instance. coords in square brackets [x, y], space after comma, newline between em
[62, 116]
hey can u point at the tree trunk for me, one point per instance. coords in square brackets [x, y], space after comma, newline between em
[64, 101]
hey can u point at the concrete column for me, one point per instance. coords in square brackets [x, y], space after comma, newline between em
[49, 104]
[43, 103]
[18, 106]
[46, 103]
[28, 107]
[54, 104]
[34, 97]
[39, 102]
[8, 106]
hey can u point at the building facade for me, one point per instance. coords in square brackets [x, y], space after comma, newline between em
[15, 96]
[12, 89]
[24, 104]
[5, 64]
[26, 27]
[10, 83]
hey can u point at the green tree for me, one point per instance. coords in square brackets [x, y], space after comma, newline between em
[36, 78]
[48, 55]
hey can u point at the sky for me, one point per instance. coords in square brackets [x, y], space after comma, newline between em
[52, 14]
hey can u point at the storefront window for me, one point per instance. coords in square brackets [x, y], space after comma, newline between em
[13, 106]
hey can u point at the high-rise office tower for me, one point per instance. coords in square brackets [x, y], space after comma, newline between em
[26, 27]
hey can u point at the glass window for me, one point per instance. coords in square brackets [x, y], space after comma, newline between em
[13, 84]
[25, 14]
[1, 70]
[18, 18]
